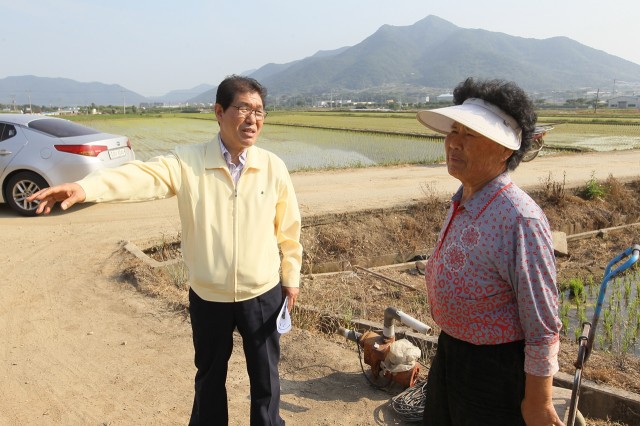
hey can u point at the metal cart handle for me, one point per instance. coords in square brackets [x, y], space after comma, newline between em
[588, 329]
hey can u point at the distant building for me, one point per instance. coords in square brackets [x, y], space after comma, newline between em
[147, 105]
[63, 112]
[624, 102]
[445, 97]
[333, 103]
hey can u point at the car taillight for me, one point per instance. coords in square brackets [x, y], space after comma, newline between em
[88, 150]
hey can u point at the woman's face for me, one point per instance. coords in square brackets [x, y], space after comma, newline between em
[472, 158]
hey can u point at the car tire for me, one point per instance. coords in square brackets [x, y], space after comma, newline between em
[19, 187]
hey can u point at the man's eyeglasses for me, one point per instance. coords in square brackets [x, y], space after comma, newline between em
[246, 111]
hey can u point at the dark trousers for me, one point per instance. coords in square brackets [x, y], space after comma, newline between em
[213, 324]
[475, 384]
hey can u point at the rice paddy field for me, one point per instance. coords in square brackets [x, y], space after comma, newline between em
[341, 139]
[619, 322]
[301, 148]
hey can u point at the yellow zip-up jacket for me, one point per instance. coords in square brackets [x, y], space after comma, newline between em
[231, 235]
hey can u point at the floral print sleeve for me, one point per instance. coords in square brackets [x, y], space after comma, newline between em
[532, 274]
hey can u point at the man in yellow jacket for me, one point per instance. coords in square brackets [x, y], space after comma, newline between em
[240, 242]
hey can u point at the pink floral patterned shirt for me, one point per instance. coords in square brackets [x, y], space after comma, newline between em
[492, 276]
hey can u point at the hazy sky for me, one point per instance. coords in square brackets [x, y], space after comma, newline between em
[154, 46]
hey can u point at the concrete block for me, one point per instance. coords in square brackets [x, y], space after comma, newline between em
[560, 246]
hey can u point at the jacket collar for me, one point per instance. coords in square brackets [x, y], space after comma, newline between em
[213, 158]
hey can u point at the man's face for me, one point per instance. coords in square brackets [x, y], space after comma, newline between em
[237, 131]
[473, 158]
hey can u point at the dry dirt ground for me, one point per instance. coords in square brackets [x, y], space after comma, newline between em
[82, 346]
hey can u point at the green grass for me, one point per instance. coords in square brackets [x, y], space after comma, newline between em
[400, 122]
[593, 189]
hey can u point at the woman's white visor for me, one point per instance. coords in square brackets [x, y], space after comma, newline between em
[479, 116]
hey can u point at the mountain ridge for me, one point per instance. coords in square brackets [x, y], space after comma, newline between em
[433, 55]
[424, 59]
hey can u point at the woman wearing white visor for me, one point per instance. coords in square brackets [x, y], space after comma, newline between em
[491, 279]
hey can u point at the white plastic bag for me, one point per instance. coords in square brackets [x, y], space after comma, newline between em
[402, 356]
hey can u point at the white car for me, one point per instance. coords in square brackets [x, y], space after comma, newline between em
[38, 151]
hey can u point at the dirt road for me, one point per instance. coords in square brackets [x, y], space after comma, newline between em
[80, 348]
[374, 188]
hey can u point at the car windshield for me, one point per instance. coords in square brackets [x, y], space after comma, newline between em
[61, 128]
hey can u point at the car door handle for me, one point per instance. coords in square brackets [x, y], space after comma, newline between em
[5, 152]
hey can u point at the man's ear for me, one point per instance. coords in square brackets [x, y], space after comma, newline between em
[217, 108]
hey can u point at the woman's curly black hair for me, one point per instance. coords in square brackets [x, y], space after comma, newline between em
[510, 98]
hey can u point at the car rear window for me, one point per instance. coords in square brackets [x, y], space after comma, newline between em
[61, 128]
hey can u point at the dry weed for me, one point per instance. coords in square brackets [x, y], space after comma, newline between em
[331, 301]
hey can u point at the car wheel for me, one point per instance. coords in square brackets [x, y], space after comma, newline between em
[19, 187]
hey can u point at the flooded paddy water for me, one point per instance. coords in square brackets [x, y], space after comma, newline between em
[300, 148]
[304, 148]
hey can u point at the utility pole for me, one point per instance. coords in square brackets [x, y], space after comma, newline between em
[124, 103]
[595, 106]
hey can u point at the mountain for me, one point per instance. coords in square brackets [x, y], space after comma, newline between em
[270, 70]
[180, 96]
[436, 54]
[427, 58]
[63, 92]
[45, 91]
